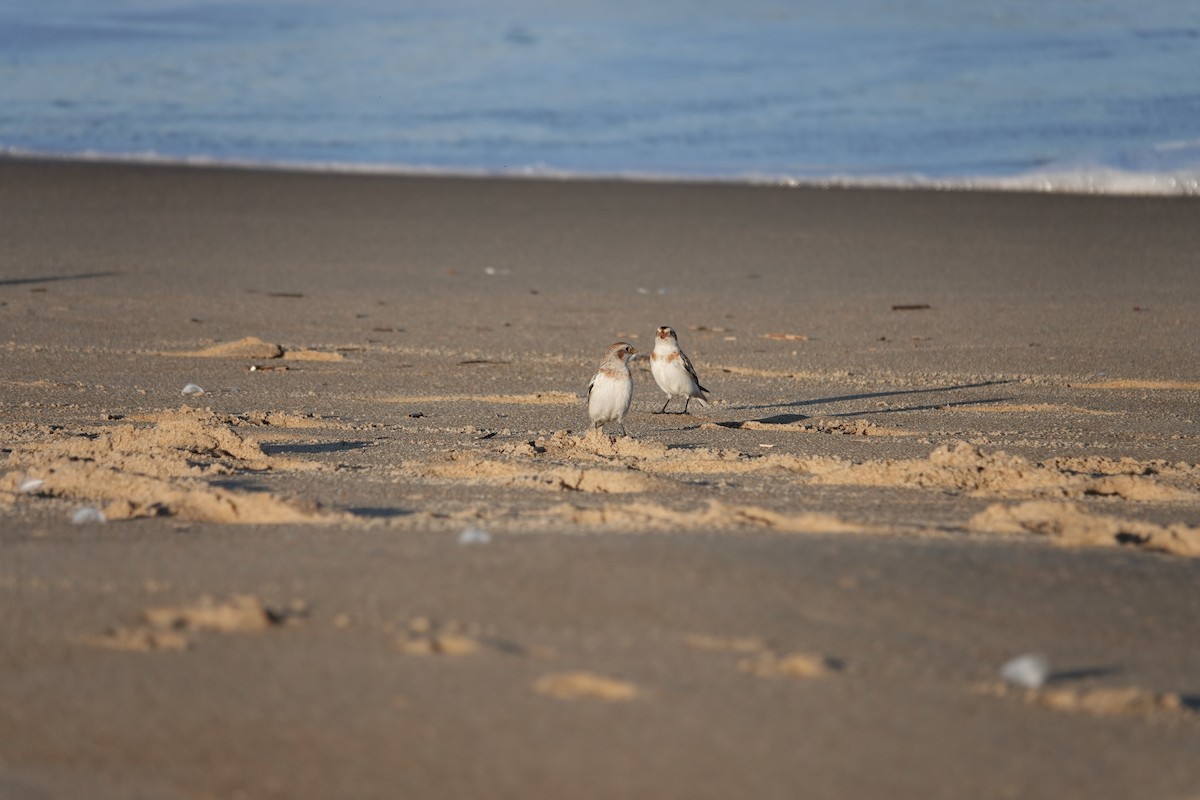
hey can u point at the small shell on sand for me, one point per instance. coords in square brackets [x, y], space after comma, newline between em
[1028, 671]
[87, 515]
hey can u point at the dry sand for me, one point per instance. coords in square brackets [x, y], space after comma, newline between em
[947, 429]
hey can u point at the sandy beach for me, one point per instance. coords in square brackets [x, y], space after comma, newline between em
[374, 551]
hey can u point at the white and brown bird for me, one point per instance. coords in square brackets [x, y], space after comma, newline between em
[673, 370]
[611, 391]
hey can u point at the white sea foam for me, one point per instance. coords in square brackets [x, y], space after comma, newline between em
[939, 94]
[1083, 180]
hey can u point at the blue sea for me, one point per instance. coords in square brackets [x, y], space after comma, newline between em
[1057, 95]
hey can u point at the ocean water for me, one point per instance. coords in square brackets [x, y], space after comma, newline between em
[1068, 95]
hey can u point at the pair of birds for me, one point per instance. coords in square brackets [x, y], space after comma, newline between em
[611, 391]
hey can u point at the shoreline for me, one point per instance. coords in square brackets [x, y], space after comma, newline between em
[1098, 181]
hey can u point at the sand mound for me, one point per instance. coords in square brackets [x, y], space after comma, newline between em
[549, 478]
[312, 355]
[426, 637]
[962, 467]
[1107, 702]
[574, 685]
[251, 347]
[1103, 701]
[161, 470]
[648, 456]
[440, 644]
[959, 467]
[127, 495]
[789, 665]
[1099, 466]
[168, 628]
[183, 442]
[639, 516]
[1067, 524]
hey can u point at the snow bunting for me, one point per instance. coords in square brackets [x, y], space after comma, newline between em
[611, 391]
[673, 370]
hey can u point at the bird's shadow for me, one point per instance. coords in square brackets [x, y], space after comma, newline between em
[313, 448]
[791, 418]
[1082, 673]
[847, 398]
[378, 512]
[56, 278]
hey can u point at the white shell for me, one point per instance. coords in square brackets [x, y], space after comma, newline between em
[1028, 671]
[87, 515]
[32, 485]
[473, 535]
[190, 389]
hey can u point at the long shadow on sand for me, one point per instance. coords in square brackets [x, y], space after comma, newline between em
[313, 448]
[787, 419]
[378, 512]
[875, 395]
[54, 278]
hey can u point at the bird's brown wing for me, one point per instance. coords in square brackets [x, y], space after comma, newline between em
[687, 364]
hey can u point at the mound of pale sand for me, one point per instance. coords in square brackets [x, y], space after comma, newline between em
[714, 515]
[574, 685]
[439, 644]
[312, 355]
[1116, 701]
[551, 477]
[788, 665]
[725, 644]
[962, 467]
[1068, 525]
[1103, 465]
[159, 470]
[168, 628]
[649, 456]
[251, 347]
[185, 442]
[1102, 701]
[959, 467]
[128, 495]
[426, 637]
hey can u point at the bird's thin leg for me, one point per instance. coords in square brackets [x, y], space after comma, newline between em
[686, 400]
[663, 410]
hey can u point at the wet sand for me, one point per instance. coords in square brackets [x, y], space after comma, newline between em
[947, 429]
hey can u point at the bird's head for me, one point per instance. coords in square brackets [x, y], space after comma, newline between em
[621, 351]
